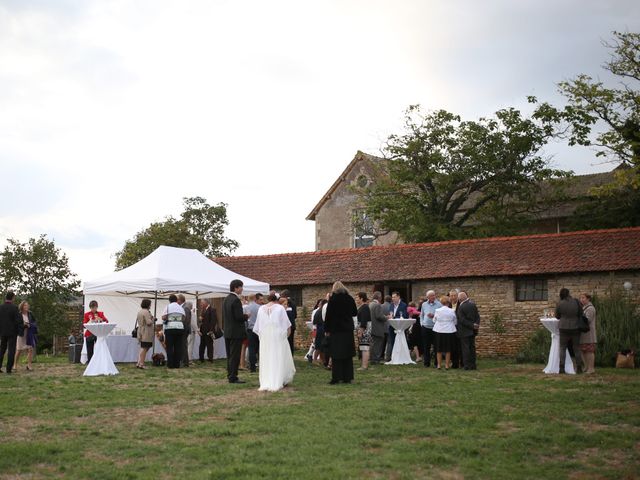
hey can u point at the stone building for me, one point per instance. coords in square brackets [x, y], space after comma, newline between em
[334, 214]
[512, 279]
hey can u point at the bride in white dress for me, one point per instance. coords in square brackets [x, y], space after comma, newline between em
[276, 363]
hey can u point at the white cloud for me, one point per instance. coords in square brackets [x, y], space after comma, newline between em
[111, 112]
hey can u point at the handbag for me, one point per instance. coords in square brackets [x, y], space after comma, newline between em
[134, 332]
[625, 359]
[216, 333]
[583, 324]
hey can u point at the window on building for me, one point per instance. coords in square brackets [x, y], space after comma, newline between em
[362, 181]
[363, 229]
[531, 289]
[295, 294]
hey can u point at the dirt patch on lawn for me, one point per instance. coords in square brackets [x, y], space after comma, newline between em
[21, 429]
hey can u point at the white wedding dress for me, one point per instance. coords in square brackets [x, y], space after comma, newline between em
[276, 363]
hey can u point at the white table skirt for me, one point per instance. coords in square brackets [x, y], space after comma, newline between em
[553, 365]
[125, 349]
[101, 363]
[400, 354]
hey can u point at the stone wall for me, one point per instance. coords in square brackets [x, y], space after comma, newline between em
[495, 298]
[334, 229]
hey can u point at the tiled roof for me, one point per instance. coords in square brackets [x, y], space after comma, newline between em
[588, 251]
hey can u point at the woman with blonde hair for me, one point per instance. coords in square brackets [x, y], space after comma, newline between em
[27, 336]
[444, 327]
[338, 328]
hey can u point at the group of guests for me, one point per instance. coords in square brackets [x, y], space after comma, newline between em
[18, 333]
[179, 328]
[444, 331]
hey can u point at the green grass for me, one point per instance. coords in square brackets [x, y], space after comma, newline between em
[503, 421]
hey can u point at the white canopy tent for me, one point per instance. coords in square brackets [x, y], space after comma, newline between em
[165, 271]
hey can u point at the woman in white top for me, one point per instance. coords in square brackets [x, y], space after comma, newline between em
[445, 329]
[276, 362]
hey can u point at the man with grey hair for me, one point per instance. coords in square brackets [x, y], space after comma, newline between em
[378, 328]
[467, 328]
[208, 322]
[427, 312]
[186, 322]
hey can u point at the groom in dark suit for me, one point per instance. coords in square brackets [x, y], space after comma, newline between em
[235, 330]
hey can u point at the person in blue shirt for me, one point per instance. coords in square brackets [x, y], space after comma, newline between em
[427, 312]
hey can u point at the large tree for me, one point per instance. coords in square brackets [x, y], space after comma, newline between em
[200, 226]
[39, 273]
[446, 178]
[606, 116]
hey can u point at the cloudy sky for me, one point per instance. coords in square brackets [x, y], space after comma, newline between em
[112, 111]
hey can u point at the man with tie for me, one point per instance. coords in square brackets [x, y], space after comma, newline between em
[397, 309]
[235, 330]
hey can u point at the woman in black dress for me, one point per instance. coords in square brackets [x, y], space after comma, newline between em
[319, 341]
[338, 327]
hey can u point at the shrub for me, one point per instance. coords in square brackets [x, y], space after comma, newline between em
[536, 350]
[617, 325]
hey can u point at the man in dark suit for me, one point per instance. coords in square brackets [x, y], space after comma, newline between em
[456, 356]
[397, 309]
[467, 328]
[378, 328]
[235, 330]
[10, 324]
[208, 322]
[292, 313]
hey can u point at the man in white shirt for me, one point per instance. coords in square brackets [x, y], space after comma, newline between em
[254, 340]
[172, 317]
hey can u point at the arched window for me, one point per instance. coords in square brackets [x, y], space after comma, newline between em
[363, 229]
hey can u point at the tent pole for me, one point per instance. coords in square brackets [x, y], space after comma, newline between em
[195, 333]
[155, 312]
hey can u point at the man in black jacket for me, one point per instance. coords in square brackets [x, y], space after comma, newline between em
[207, 324]
[10, 323]
[235, 330]
[467, 328]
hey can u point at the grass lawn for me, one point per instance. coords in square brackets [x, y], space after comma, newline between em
[503, 421]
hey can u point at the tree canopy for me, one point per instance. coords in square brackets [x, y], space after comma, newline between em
[446, 178]
[39, 272]
[201, 226]
[606, 116]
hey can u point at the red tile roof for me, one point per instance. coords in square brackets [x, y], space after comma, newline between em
[588, 251]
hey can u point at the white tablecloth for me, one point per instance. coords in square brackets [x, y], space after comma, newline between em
[553, 365]
[101, 363]
[400, 354]
[125, 348]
